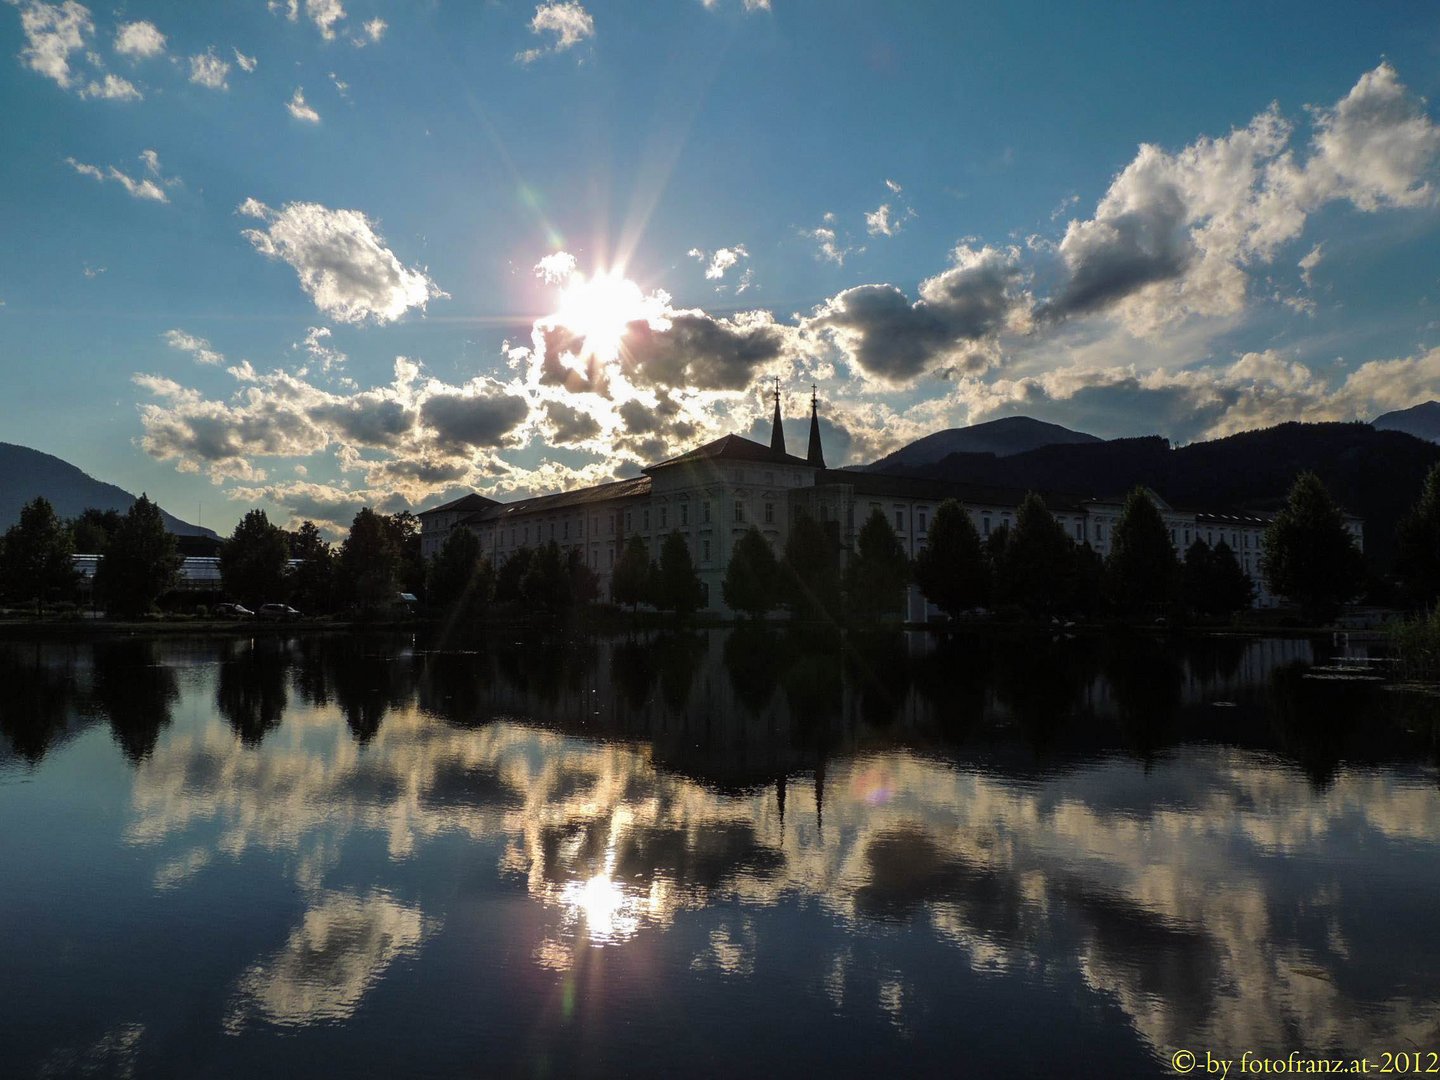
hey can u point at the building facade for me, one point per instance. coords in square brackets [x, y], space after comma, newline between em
[713, 494]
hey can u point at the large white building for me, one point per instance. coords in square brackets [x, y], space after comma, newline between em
[713, 494]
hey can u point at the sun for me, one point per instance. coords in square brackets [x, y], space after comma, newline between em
[599, 309]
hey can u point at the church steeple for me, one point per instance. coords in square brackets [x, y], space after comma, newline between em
[777, 433]
[816, 456]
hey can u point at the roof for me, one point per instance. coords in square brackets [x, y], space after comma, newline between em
[564, 500]
[733, 448]
[888, 485]
[466, 503]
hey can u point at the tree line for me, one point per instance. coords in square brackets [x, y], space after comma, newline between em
[1031, 568]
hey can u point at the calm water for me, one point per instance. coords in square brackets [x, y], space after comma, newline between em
[709, 854]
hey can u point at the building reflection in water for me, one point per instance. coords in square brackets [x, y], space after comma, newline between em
[1155, 820]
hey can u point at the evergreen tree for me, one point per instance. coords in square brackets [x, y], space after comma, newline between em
[510, 578]
[1035, 568]
[584, 582]
[878, 573]
[1142, 570]
[630, 582]
[312, 582]
[1197, 577]
[92, 530]
[253, 561]
[677, 586]
[951, 570]
[369, 562]
[1231, 589]
[460, 580]
[36, 561]
[140, 562]
[404, 529]
[1417, 554]
[810, 570]
[1309, 556]
[752, 579]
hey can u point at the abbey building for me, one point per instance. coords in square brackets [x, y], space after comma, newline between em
[713, 494]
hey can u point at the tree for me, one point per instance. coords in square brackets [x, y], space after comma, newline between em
[630, 583]
[312, 582]
[92, 530]
[1309, 556]
[1035, 561]
[951, 570]
[810, 570]
[140, 562]
[677, 585]
[1213, 583]
[37, 556]
[1142, 571]
[584, 582]
[510, 578]
[752, 579]
[877, 575]
[1417, 554]
[460, 579]
[253, 561]
[368, 562]
[547, 581]
[404, 530]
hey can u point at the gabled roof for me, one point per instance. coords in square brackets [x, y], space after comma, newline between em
[465, 504]
[732, 448]
[564, 500]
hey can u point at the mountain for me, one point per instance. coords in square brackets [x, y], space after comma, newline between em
[26, 473]
[1422, 421]
[1004, 437]
[1375, 474]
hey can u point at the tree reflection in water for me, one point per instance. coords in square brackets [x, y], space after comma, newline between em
[134, 691]
[250, 691]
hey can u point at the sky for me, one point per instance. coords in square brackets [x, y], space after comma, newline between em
[310, 255]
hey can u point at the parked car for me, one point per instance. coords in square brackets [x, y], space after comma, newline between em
[233, 611]
[279, 612]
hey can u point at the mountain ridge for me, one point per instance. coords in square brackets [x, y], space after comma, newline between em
[1005, 437]
[26, 473]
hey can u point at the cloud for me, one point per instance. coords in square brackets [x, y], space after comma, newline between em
[197, 347]
[705, 352]
[566, 20]
[111, 87]
[299, 110]
[144, 188]
[889, 217]
[247, 63]
[325, 14]
[484, 417]
[720, 260]
[139, 40]
[830, 247]
[52, 33]
[343, 264]
[375, 29]
[1174, 234]
[569, 425]
[317, 346]
[208, 70]
[749, 5]
[955, 325]
[556, 268]
[1309, 263]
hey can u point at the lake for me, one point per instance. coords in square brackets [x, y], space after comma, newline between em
[715, 853]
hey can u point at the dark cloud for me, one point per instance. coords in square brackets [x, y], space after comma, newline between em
[366, 419]
[474, 419]
[702, 352]
[557, 342]
[639, 418]
[571, 425]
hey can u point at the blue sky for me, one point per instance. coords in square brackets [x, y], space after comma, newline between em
[291, 255]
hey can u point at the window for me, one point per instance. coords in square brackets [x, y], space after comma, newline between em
[705, 512]
[770, 479]
[874, 507]
[899, 520]
[552, 530]
[527, 534]
[565, 533]
[610, 524]
[920, 521]
[610, 557]
[705, 550]
[629, 522]
[739, 512]
[1187, 538]
[704, 594]
[684, 513]
[985, 525]
[664, 515]
[645, 520]
[769, 513]
[1099, 531]
[1079, 532]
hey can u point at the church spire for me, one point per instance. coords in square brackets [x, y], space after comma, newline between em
[816, 456]
[777, 433]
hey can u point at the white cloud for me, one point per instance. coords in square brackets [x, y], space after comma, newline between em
[52, 33]
[247, 63]
[878, 221]
[299, 110]
[111, 88]
[566, 20]
[317, 345]
[207, 69]
[375, 29]
[1309, 263]
[720, 260]
[325, 14]
[749, 5]
[556, 268]
[343, 264]
[830, 247]
[146, 187]
[197, 347]
[139, 40]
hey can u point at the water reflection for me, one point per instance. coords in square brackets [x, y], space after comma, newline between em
[1223, 850]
